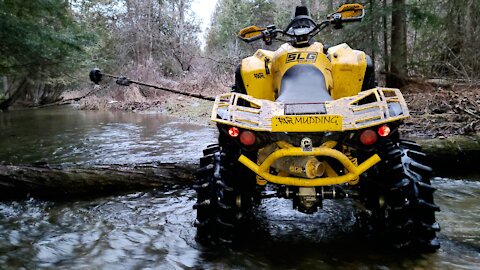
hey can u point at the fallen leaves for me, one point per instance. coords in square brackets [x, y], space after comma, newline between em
[443, 112]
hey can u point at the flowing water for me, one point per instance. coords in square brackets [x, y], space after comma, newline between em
[68, 136]
[153, 230]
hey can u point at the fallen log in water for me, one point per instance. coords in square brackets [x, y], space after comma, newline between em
[456, 153]
[452, 154]
[52, 182]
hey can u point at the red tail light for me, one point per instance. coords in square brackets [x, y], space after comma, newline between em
[384, 131]
[247, 138]
[368, 137]
[233, 132]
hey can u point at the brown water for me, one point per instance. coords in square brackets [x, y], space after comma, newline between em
[153, 230]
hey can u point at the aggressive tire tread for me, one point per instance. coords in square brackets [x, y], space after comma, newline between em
[408, 213]
[219, 182]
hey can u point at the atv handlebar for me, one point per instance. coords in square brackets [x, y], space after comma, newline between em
[266, 35]
[252, 39]
[271, 32]
[346, 13]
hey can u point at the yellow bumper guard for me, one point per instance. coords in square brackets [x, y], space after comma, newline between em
[263, 169]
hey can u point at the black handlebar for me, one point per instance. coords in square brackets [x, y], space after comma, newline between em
[271, 32]
[267, 35]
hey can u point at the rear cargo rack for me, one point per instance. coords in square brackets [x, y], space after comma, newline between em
[369, 108]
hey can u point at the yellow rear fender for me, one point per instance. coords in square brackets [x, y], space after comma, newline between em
[348, 70]
[256, 75]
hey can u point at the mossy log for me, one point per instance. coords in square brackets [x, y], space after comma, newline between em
[452, 153]
[446, 155]
[56, 182]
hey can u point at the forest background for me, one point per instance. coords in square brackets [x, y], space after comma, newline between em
[48, 46]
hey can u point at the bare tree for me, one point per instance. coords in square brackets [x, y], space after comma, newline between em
[398, 61]
[386, 55]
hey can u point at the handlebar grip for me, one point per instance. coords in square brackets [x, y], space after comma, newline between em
[252, 39]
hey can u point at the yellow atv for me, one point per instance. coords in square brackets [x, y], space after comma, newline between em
[310, 120]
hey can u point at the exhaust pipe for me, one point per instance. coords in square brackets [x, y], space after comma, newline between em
[306, 167]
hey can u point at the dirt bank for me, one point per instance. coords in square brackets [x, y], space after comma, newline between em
[144, 99]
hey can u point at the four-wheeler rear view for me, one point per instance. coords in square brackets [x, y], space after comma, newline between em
[309, 121]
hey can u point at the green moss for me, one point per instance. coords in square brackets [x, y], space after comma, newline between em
[453, 145]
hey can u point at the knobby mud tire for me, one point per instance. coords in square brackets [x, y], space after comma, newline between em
[403, 206]
[224, 197]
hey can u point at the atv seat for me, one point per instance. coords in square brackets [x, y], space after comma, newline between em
[303, 83]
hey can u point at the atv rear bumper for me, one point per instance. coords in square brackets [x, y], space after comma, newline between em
[263, 170]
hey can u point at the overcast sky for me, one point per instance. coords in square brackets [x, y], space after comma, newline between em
[204, 10]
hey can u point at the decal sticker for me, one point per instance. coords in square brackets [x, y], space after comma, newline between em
[302, 57]
[307, 123]
[306, 145]
[309, 120]
[259, 76]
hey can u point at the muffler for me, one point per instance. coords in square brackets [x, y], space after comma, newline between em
[306, 167]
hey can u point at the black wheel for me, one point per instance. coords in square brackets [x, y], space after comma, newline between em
[400, 197]
[225, 193]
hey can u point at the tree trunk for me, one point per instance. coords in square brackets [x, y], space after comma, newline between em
[131, 13]
[398, 60]
[58, 183]
[17, 89]
[150, 32]
[182, 56]
[4, 85]
[373, 36]
[386, 54]
[181, 15]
